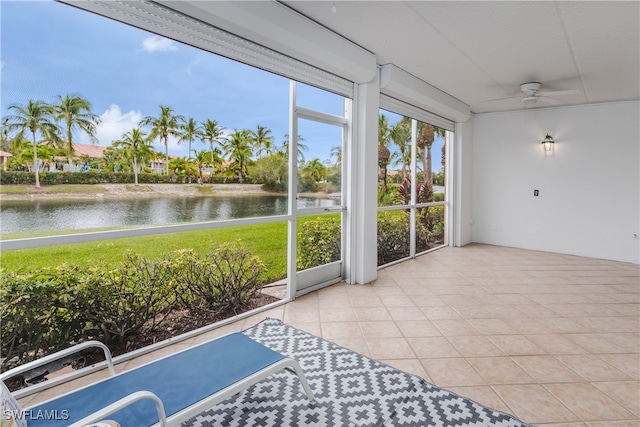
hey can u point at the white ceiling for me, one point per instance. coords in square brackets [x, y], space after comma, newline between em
[479, 50]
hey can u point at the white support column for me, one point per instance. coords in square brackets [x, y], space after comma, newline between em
[461, 169]
[292, 285]
[364, 184]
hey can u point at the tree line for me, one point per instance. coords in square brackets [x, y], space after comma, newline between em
[38, 132]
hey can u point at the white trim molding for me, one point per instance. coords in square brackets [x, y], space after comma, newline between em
[403, 86]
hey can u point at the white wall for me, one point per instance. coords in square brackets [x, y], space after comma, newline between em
[589, 202]
[463, 180]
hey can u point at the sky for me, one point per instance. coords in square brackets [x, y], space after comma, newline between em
[49, 49]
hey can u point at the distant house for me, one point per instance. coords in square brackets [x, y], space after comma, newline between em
[89, 150]
[4, 156]
[93, 151]
[157, 166]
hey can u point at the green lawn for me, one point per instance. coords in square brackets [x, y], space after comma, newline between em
[62, 188]
[268, 241]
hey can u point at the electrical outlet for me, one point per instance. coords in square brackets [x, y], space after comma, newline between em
[536, 193]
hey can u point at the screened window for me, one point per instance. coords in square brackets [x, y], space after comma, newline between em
[412, 159]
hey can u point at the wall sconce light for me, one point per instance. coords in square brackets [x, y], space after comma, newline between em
[548, 142]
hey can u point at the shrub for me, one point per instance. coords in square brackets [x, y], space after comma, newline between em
[34, 315]
[275, 187]
[95, 177]
[430, 228]
[226, 279]
[307, 184]
[120, 301]
[319, 242]
[50, 309]
[393, 236]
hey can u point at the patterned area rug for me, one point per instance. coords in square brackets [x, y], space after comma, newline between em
[350, 390]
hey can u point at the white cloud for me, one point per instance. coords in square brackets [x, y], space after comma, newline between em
[157, 44]
[114, 123]
[2, 64]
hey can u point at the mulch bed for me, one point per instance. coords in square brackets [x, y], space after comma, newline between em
[179, 323]
[175, 324]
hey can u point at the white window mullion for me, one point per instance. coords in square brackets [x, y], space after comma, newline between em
[414, 196]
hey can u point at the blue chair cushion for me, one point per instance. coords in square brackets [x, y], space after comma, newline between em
[179, 380]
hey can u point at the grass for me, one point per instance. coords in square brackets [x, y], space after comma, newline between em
[62, 188]
[267, 241]
[27, 234]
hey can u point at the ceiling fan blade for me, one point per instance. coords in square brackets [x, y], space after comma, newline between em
[559, 92]
[502, 99]
[549, 100]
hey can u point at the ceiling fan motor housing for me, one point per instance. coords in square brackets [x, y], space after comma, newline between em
[530, 88]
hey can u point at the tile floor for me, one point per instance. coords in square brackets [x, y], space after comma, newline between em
[551, 338]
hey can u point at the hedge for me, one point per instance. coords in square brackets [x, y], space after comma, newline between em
[319, 242]
[44, 311]
[94, 177]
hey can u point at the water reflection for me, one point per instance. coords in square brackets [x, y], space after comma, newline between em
[45, 215]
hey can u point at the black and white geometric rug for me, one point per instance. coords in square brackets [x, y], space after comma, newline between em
[350, 390]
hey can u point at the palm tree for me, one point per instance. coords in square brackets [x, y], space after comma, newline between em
[23, 154]
[183, 167]
[36, 116]
[201, 159]
[190, 131]
[163, 126]
[136, 146]
[75, 113]
[238, 148]
[384, 155]
[336, 151]
[424, 141]
[315, 170]
[8, 142]
[212, 131]
[301, 147]
[400, 134]
[262, 140]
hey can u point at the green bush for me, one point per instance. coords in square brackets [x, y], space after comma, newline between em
[307, 184]
[122, 300]
[34, 313]
[393, 236]
[430, 228]
[95, 177]
[226, 279]
[275, 187]
[319, 242]
[50, 309]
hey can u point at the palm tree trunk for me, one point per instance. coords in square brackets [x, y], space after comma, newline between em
[35, 161]
[135, 171]
[166, 155]
[425, 164]
[429, 174]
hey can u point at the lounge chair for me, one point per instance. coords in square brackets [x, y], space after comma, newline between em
[165, 392]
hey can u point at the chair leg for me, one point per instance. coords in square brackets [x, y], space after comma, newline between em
[295, 367]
